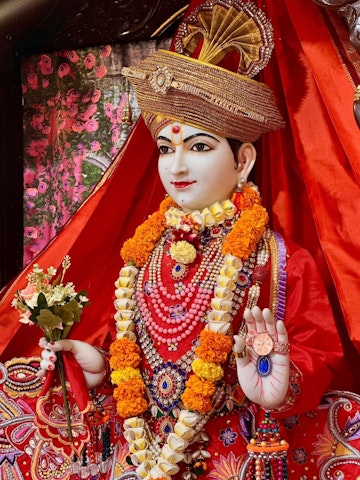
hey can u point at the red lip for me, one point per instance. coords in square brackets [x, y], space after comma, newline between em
[182, 184]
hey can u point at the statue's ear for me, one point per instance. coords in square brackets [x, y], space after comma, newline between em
[246, 158]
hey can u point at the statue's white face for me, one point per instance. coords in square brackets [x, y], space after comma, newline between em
[196, 167]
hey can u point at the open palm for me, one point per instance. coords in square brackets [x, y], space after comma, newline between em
[268, 390]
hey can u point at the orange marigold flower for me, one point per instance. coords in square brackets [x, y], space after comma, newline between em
[129, 390]
[201, 387]
[125, 353]
[118, 362]
[198, 403]
[247, 231]
[246, 198]
[214, 347]
[166, 204]
[128, 409]
[138, 248]
[121, 345]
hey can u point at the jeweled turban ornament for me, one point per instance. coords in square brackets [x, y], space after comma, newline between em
[207, 81]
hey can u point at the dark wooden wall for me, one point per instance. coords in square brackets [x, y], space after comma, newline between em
[49, 25]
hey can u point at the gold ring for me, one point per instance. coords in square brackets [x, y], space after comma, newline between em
[241, 354]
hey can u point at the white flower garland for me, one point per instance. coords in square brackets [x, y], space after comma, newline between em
[149, 464]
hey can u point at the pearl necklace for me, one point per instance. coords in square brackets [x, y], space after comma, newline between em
[172, 324]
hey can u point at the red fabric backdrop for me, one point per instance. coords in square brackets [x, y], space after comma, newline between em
[307, 174]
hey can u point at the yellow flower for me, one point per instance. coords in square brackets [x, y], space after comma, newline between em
[207, 370]
[128, 373]
[183, 252]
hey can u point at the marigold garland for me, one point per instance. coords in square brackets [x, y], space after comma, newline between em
[243, 238]
[214, 346]
[136, 250]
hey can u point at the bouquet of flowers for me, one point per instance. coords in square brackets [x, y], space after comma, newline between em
[54, 307]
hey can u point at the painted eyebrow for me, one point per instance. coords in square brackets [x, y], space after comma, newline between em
[190, 137]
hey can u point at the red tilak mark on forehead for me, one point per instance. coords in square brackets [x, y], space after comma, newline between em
[176, 129]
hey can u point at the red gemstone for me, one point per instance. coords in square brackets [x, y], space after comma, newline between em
[176, 129]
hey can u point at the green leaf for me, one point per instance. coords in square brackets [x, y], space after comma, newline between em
[47, 320]
[74, 308]
[65, 314]
[41, 301]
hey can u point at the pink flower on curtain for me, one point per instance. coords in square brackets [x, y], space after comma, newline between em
[73, 111]
[33, 80]
[42, 187]
[78, 127]
[31, 192]
[100, 71]
[70, 109]
[63, 70]
[36, 121]
[72, 56]
[89, 112]
[89, 61]
[115, 135]
[109, 108]
[31, 232]
[95, 146]
[45, 65]
[91, 125]
[105, 51]
[29, 176]
[96, 95]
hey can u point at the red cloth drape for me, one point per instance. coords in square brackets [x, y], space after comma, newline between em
[307, 174]
[93, 238]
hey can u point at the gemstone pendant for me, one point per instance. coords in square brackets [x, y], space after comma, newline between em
[167, 385]
[179, 271]
[264, 365]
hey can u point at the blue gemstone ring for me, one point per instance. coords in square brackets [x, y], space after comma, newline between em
[264, 366]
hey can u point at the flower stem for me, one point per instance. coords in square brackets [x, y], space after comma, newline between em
[61, 370]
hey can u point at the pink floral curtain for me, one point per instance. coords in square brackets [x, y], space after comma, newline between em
[73, 108]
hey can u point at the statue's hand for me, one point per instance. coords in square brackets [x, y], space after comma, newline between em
[263, 367]
[89, 358]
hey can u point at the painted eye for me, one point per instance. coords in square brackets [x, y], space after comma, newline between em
[164, 149]
[201, 147]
